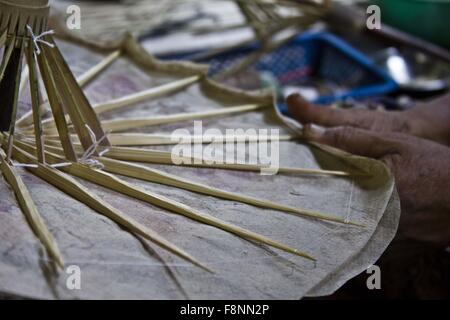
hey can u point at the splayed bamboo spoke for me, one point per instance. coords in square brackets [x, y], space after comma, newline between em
[68, 100]
[9, 96]
[7, 56]
[80, 112]
[126, 124]
[31, 212]
[73, 188]
[150, 139]
[157, 176]
[133, 123]
[83, 80]
[74, 129]
[57, 108]
[24, 79]
[109, 181]
[116, 184]
[146, 95]
[96, 70]
[80, 104]
[3, 37]
[138, 139]
[145, 139]
[35, 102]
[165, 157]
[135, 98]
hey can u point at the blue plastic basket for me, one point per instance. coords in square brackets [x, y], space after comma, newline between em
[312, 55]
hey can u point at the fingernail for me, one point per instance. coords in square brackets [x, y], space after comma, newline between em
[313, 132]
[292, 97]
[296, 97]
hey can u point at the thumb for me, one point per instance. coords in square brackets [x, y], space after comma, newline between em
[357, 141]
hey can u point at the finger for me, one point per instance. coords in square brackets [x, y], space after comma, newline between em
[305, 112]
[357, 141]
[391, 161]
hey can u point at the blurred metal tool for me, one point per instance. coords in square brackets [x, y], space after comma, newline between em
[403, 73]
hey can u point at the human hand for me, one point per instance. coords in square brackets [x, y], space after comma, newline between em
[427, 120]
[421, 169]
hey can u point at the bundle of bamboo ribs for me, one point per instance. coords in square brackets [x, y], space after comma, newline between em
[61, 137]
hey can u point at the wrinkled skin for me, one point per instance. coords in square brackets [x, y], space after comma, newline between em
[414, 144]
[428, 120]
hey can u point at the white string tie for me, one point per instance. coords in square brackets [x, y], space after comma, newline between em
[38, 39]
[61, 165]
[24, 165]
[86, 158]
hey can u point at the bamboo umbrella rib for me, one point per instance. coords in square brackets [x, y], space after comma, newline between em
[3, 37]
[151, 93]
[72, 113]
[17, 55]
[7, 56]
[126, 124]
[135, 98]
[96, 70]
[68, 99]
[109, 181]
[82, 105]
[157, 176]
[165, 157]
[82, 80]
[70, 186]
[132, 123]
[57, 108]
[145, 139]
[35, 103]
[51, 147]
[24, 78]
[31, 212]
[150, 139]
